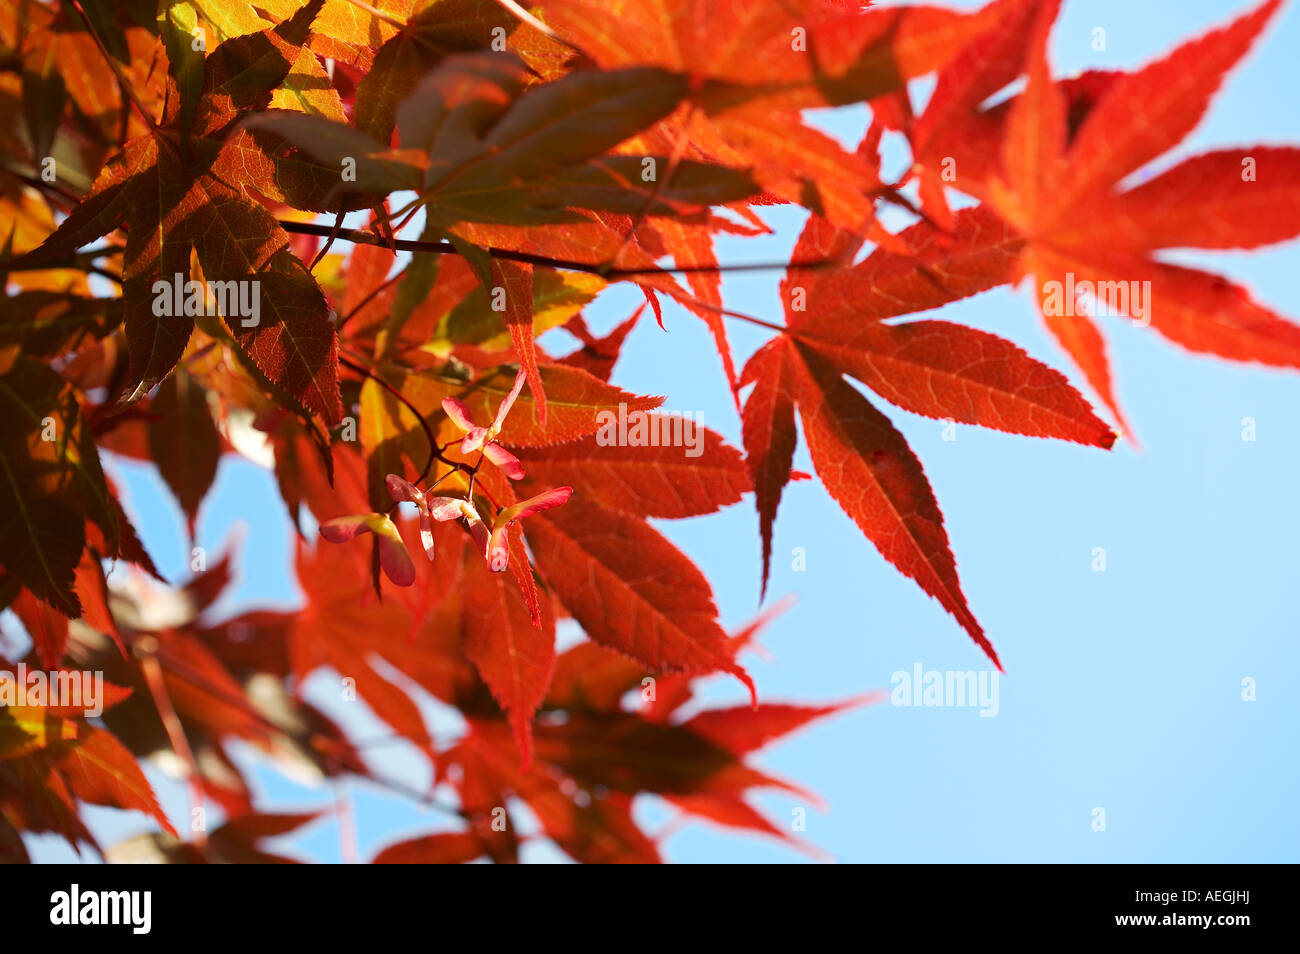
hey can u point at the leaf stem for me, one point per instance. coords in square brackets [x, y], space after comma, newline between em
[538, 25]
[378, 14]
[340, 759]
[127, 90]
[36, 182]
[334, 232]
[146, 650]
[740, 315]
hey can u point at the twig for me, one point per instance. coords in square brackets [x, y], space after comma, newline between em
[661, 182]
[375, 292]
[435, 452]
[358, 237]
[153, 676]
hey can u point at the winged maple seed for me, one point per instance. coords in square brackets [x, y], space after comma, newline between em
[505, 168]
[393, 555]
[485, 438]
[489, 536]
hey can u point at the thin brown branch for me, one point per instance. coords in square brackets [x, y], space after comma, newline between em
[435, 451]
[359, 237]
[370, 296]
[661, 182]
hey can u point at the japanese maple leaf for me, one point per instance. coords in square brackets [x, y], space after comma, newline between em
[593, 827]
[1067, 193]
[512, 285]
[866, 465]
[610, 754]
[344, 627]
[481, 147]
[607, 750]
[598, 355]
[51, 757]
[342, 30]
[649, 481]
[949, 140]
[743, 732]
[234, 843]
[631, 589]
[513, 656]
[837, 325]
[164, 190]
[592, 677]
[54, 495]
[184, 441]
[579, 404]
[754, 66]
[434, 31]
[47, 623]
[440, 848]
[50, 40]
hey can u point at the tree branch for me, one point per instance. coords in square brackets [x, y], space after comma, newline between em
[359, 237]
[435, 452]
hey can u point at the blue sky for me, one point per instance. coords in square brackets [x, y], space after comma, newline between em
[1123, 688]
